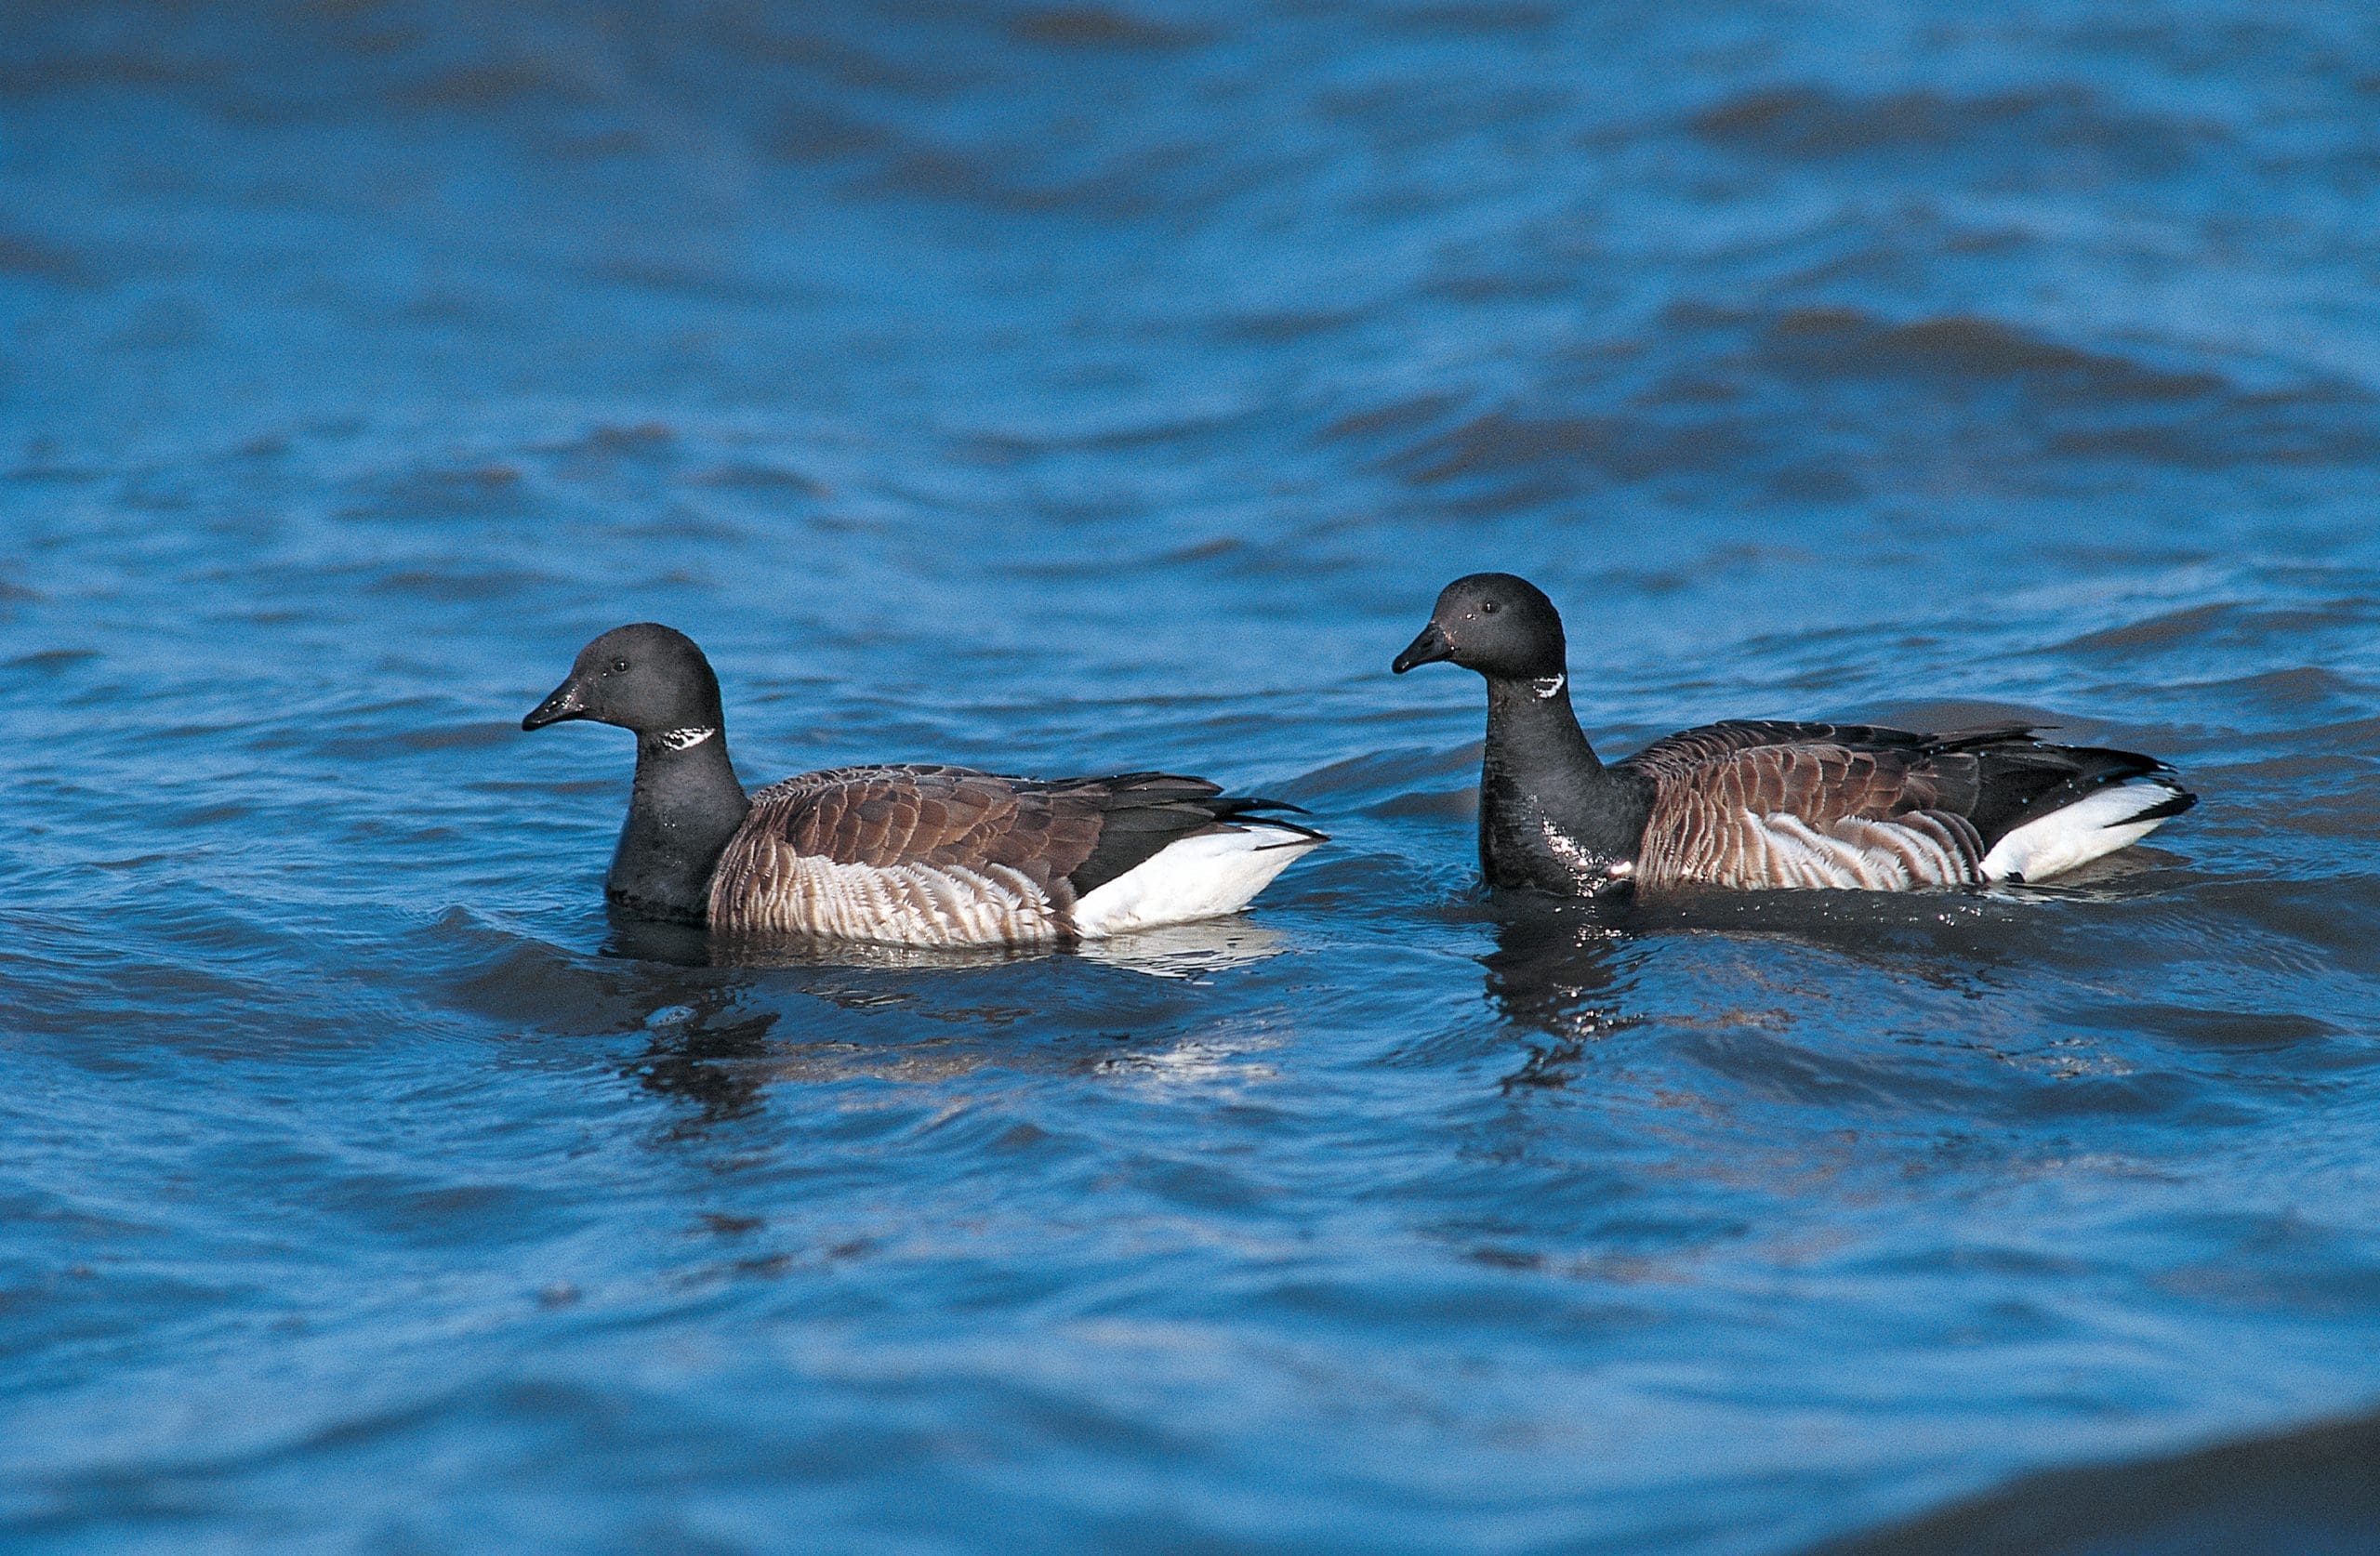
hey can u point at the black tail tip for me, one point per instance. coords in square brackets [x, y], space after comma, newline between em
[2171, 805]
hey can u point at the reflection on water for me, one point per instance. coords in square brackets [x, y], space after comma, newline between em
[1191, 950]
[648, 940]
[1560, 969]
[710, 1052]
[803, 951]
[1176, 951]
[723, 1044]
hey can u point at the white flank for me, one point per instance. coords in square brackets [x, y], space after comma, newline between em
[895, 905]
[2098, 824]
[1204, 876]
[1900, 853]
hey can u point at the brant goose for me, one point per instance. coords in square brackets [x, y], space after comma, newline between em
[1756, 805]
[936, 856]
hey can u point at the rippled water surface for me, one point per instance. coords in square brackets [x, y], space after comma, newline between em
[1081, 386]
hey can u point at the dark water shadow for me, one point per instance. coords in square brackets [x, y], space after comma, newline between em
[2311, 1491]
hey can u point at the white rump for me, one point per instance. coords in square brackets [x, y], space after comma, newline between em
[2098, 824]
[1204, 876]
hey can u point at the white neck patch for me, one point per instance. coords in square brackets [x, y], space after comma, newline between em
[1547, 686]
[680, 740]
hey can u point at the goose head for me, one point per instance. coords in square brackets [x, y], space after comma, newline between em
[1503, 627]
[646, 677]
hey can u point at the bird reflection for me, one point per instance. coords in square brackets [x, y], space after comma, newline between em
[1559, 967]
[1189, 950]
[728, 1018]
[1175, 951]
[708, 1049]
[648, 940]
[1562, 967]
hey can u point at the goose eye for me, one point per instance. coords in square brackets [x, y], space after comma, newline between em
[619, 664]
[1487, 607]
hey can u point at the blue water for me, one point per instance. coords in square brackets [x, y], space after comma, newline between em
[1099, 386]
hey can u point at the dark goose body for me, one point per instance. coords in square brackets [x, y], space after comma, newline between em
[922, 855]
[1755, 805]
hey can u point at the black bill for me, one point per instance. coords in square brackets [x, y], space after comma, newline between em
[563, 704]
[1427, 649]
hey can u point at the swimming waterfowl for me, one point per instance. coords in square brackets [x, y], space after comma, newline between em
[1761, 804]
[910, 855]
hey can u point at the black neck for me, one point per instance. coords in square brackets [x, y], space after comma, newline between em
[1550, 815]
[1535, 730]
[685, 807]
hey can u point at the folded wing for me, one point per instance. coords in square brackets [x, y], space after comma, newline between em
[950, 856]
[1768, 806]
[1772, 804]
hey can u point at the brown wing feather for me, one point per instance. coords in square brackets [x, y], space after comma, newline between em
[924, 855]
[951, 855]
[1734, 806]
[1769, 803]
[946, 816]
[1692, 748]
